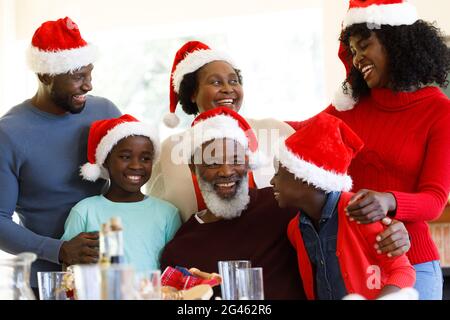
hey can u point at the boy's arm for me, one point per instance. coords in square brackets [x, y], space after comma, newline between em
[74, 225]
[400, 273]
[79, 246]
[173, 225]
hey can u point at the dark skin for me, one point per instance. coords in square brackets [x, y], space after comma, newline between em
[371, 59]
[62, 93]
[292, 192]
[80, 250]
[220, 162]
[129, 165]
[218, 85]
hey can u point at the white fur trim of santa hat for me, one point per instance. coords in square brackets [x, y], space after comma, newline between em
[92, 172]
[343, 101]
[194, 61]
[389, 14]
[171, 120]
[326, 180]
[61, 61]
[220, 127]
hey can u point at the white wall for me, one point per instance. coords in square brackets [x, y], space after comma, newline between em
[105, 14]
[7, 37]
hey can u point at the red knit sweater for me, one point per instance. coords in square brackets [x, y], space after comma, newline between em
[406, 152]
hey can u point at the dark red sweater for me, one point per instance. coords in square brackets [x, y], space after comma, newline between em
[406, 152]
[258, 235]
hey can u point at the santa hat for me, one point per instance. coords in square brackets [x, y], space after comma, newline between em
[189, 58]
[376, 13]
[220, 123]
[320, 153]
[57, 47]
[105, 134]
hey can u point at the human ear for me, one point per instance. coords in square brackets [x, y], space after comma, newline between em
[45, 79]
[194, 97]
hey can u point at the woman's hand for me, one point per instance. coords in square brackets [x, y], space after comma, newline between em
[367, 206]
[394, 241]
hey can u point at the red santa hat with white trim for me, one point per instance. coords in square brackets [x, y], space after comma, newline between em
[320, 153]
[189, 58]
[374, 13]
[220, 123]
[57, 47]
[105, 134]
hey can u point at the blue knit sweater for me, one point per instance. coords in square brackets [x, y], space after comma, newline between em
[40, 156]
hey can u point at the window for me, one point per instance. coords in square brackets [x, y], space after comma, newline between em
[280, 55]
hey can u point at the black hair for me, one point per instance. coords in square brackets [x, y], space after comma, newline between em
[188, 86]
[417, 56]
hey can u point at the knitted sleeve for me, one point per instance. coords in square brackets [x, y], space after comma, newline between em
[15, 238]
[398, 270]
[434, 181]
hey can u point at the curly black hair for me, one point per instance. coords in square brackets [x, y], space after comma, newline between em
[417, 56]
[187, 88]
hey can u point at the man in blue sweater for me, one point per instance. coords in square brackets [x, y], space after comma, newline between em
[42, 146]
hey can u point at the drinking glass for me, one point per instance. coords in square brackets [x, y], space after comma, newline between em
[227, 270]
[54, 285]
[250, 284]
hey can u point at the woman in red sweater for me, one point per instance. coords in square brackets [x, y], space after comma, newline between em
[392, 58]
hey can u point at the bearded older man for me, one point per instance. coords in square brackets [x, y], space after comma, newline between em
[239, 223]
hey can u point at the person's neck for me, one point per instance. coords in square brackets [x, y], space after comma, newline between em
[313, 205]
[209, 217]
[118, 196]
[43, 102]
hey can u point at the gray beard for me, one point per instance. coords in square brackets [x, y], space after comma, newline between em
[225, 208]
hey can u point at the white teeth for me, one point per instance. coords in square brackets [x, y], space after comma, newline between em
[134, 178]
[225, 101]
[80, 96]
[366, 68]
[226, 185]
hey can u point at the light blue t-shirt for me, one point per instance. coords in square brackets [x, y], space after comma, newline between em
[147, 226]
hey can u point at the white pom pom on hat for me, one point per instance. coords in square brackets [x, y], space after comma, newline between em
[171, 120]
[90, 171]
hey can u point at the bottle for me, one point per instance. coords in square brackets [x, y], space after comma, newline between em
[115, 241]
[104, 240]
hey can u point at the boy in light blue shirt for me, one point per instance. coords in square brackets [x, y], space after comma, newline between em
[123, 150]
